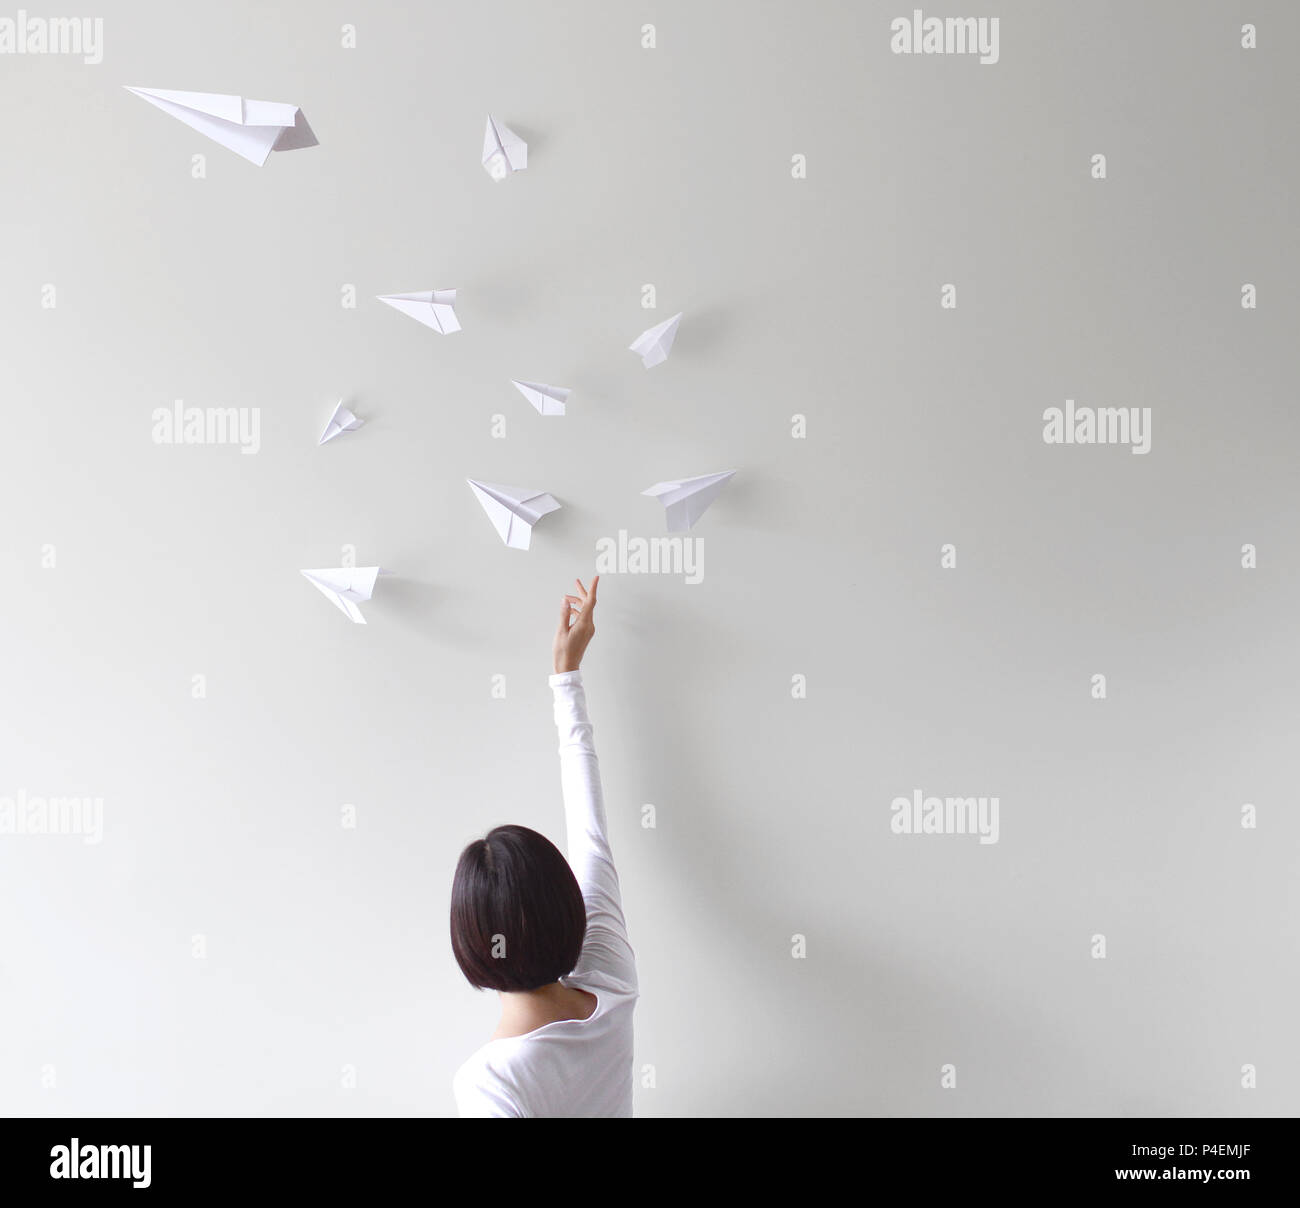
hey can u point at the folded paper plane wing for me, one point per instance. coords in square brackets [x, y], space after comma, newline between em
[346, 587]
[342, 420]
[433, 307]
[685, 500]
[513, 510]
[504, 151]
[654, 344]
[549, 400]
[252, 129]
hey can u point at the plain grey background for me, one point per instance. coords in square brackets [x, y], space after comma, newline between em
[326, 947]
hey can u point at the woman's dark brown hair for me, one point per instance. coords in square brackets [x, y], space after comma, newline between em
[517, 915]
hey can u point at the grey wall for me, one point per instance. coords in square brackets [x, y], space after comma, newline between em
[326, 947]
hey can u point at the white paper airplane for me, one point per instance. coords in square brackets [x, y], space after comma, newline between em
[513, 510]
[252, 129]
[342, 420]
[346, 586]
[549, 400]
[654, 344]
[503, 150]
[432, 307]
[687, 499]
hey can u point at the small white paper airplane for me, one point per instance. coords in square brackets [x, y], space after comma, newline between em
[342, 420]
[346, 586]
[503, 150]
[433, 307]
[252, 129]
[549, 400]
[513, 510]
[654, 344]
[687, 499]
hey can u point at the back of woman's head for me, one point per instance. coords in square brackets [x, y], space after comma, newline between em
[517, 915]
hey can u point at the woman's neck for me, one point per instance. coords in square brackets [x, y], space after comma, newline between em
[524, 1011]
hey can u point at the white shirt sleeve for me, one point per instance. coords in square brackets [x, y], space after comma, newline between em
[481, 1095]
[606, 949]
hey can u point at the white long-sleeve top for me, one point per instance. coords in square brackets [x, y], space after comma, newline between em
[574, 1067]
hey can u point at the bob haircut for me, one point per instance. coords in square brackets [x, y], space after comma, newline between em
[517, 915]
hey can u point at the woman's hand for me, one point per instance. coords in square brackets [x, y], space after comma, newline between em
[577, 628]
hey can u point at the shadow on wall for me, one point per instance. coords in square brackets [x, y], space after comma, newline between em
[703, 332]
[858, 1027]
[429, 612]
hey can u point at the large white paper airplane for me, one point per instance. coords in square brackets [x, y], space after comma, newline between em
[503, 150]
[342, 420]
[549, 400]
[513, 510]
[252, 129]
[654, 344]
[687, 499]
[433, 307]
[346, 586]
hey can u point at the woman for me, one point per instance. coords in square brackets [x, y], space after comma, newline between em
[553, 945]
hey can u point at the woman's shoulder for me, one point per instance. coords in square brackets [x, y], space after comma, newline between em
[492, 1057]
[482, 1085]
